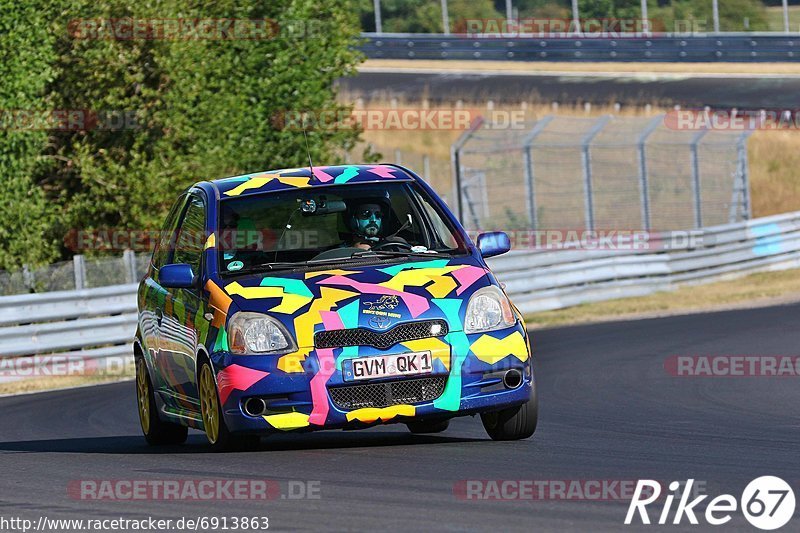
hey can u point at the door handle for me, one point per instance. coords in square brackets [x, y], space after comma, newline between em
[159, 316]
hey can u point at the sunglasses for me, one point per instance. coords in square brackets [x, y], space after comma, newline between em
[365, 214]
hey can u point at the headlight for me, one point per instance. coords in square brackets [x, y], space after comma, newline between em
[257, 333]
[487, 310]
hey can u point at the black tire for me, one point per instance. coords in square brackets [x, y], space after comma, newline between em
[156, 431]
[513, 423]
[220, 438]
[423, 426]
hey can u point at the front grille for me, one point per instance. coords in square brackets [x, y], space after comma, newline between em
[407, 391]
[410, 331]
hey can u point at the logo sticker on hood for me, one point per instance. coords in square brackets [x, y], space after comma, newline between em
[380, 310]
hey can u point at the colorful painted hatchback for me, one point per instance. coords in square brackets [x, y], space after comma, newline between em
[338, 297]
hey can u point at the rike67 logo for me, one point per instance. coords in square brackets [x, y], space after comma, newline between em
[767, 503]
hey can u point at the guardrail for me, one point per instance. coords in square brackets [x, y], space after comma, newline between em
[738, 47]
[100, 323]
[546, 280]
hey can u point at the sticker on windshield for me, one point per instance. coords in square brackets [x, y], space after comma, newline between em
[235, 265]
[418, 249]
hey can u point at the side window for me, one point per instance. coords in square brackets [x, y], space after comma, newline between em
[167, 235]
[191, 239]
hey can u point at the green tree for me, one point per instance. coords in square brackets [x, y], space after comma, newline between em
[25, 69]
[203, 108]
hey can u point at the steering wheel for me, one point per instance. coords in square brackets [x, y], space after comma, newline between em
[398, 243]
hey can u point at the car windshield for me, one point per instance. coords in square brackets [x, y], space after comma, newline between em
[337, 223]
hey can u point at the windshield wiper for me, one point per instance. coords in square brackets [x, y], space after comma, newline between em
[393, 253]
[284, 265]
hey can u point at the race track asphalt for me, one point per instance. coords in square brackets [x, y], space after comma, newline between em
[609, 411]
[756, 92]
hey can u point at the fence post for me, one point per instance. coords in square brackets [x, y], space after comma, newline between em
[398, 157]
[743, 161]
[426, 168]
[129, 258]
[587, 169]
[79, 267]
[455, 160]
[530, 176]
[698, 199]
[644, 186]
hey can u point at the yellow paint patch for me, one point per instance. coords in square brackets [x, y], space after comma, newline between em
[439, 349]
[210, 242]
[290, 303]
[490, 350]
[371, 414]
[304, 327]
[332, 272]
[260, 180]
[286, 421]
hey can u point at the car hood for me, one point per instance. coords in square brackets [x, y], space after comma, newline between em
[375, 296]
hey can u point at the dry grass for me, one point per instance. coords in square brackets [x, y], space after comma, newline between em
[766, 288]
[751, 69]
[774, 156]
[54, 383]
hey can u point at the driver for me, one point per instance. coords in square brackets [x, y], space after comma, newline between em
[366, 223]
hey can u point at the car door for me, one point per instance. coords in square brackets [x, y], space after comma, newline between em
[154, 295]
[178, 332]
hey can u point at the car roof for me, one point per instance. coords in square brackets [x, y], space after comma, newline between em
[297, 178]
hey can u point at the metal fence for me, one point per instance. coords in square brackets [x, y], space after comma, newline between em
[80, 273]
[564, 172]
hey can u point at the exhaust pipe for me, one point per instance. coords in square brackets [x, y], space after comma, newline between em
[512, 378]
[255, 406]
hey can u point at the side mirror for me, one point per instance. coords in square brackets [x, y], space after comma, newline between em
[176, 276]
[493, 243]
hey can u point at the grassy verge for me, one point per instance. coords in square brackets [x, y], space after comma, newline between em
[752, 69]
[755, 290]
[775, 18]
[58, 382]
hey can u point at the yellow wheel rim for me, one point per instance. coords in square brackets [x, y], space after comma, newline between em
[208, 404]
[143, 396]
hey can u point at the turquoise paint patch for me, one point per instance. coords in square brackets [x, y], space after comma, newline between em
[396, 269]
[349, 314]
[347, 174]
[450, 400]
[221, 344]
[769, 240]
[290, 286]
[349, 317]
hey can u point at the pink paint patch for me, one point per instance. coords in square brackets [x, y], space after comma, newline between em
[236, 377]
[383, 171]
[321, 175]
[331, 320]
[416, 304]
[319, 394]
[467, 276]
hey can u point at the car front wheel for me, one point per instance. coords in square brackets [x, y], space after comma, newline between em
[513, 423]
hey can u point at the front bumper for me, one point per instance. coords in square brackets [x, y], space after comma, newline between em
[469, 366]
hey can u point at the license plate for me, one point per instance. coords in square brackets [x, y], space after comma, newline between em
[402, 364]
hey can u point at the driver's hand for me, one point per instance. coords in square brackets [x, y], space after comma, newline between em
[362, 245]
